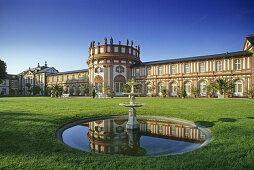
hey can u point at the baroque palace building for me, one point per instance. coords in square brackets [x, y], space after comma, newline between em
[111, 65]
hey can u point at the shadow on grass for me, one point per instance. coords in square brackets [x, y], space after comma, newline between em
[205, 123]
[227, 120]
[250, 117]
[212, 123]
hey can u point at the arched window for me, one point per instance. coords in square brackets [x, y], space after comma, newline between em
[80, 90]
[148, 89]
[73, 90]
[173, 89]
[202, 88]
[187, 87]
[238, 88]
[118, 85]
[119, 69]
[160, 87]
[97, 70]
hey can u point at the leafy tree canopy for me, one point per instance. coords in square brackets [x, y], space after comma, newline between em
[2, 71]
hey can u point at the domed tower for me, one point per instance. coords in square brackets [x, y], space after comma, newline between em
[109, 65]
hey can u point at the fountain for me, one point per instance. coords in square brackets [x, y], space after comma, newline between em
[132, 123]
[134, 135]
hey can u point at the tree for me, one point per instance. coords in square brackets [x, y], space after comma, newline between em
[3, 73]
[223, 86]
[93, 93]
[151, 89]
[183, 93]
[251, 92]
[12, 92]
[57, 90]
[36, 89]
[28, 85]
[209, 91]
[85, 88]
[194, 91]
[164, 92]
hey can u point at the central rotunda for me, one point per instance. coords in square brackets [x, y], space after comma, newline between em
[109, 65]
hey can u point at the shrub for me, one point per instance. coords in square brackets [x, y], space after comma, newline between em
[164, 92]
[183, 93]
[93, 93]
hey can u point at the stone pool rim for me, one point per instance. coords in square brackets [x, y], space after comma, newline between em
[186, 122]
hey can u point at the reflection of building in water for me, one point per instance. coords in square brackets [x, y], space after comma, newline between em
[109, 136]
[169, 129]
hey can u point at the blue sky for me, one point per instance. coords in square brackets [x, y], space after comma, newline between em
[60, 31]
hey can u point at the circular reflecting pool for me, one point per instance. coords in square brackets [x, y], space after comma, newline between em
[156, 136]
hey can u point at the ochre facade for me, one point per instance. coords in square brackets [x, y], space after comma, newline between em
[111, 64]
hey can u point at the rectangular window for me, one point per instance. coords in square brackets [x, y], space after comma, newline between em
[101, 50]
[218, 66]
[129, 50]
[148, 88]
[172, 130]
[118, 87]
[237, 64]
[123, 49]
[160, 128]
[186, 132]
[202, 67]
[98, 87]
[96, 51]
[148, 71]
[137, 72]
[148, 127]
[160, 70]
[173, 69]
[4, 82]
[187, 68]
[116, 49]
[134, 52]
[108, 49]
[4, 91]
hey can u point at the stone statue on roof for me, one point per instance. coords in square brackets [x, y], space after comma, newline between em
[127, 42]
[111, 40]
[105, 40]
[131, 43]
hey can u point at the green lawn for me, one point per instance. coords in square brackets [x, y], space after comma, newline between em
[28, 128]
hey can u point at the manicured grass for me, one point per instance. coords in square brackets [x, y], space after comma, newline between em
[28, 128]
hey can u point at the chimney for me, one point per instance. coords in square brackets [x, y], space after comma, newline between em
[46, 65]
[38, 65]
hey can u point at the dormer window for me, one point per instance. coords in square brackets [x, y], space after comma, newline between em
[108, 49]
[123, 49]
[101, 50]
[119, 69]
[116, 49]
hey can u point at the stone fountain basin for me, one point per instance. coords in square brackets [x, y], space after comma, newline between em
[134, 94]
[132, 105]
